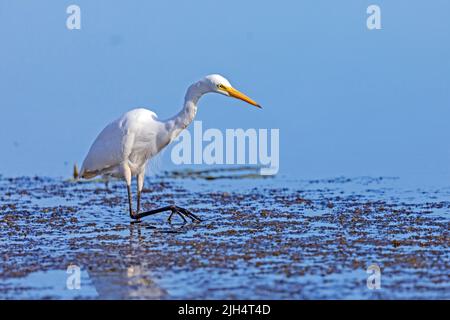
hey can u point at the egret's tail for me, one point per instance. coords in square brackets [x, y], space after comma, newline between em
[88, 174]
[83, 174]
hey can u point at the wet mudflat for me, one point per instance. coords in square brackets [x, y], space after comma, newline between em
[275, 238]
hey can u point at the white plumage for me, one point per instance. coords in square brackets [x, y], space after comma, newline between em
[124, 146]
[132, 138]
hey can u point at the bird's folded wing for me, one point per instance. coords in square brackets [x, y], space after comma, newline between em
[108, 151]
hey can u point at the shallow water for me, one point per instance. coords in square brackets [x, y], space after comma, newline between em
[274, 238]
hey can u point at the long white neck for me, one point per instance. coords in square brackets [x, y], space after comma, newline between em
[180, 121]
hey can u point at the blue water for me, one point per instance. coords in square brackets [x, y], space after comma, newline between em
[348, 101]
[258, 239]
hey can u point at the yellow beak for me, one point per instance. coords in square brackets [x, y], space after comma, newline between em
[239, 95]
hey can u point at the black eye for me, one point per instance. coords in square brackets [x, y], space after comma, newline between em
[220, 86]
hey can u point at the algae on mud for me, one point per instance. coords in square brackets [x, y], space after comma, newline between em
[272, 239]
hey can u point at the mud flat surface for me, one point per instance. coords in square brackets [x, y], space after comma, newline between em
[276, 238]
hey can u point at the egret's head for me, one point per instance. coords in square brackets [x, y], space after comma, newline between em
[217, 83]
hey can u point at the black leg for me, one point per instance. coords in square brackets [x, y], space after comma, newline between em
[138, 201]
[174, 210]
[130, 204]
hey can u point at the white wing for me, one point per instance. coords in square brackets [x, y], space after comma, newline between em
[130, 138]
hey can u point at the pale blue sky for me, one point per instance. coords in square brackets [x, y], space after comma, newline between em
[348, 101]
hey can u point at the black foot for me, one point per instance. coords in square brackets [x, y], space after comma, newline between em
[183, 213]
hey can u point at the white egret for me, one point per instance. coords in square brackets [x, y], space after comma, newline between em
[125, 145]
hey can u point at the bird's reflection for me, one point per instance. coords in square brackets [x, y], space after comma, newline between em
[133, 278]
[133, 282]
